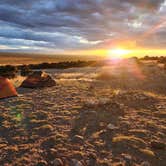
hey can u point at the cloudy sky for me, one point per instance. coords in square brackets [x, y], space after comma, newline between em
[82, 25]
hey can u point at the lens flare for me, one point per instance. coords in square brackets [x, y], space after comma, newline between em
[118, 53]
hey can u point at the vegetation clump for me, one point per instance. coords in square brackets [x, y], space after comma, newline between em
[25, 70]
[8, 71]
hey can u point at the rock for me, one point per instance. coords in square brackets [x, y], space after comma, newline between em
[157, 145]
[42, 163]
[49, 142]
[92, 113]
[44, 130]
[111, 127]
[2, 145]
[41, 115]
[57, 162]
[76, 162]
[38, 79]
[78, 139]
[115, 109]
[120, 163]
[92, 160]
[50, 153]
[77, 155]
[145, 163]
[128, 159]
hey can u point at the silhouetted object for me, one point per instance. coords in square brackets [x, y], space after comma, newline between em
[8, 71]
[38, 79]
[62, 65]
[25, 70]
[6, 88]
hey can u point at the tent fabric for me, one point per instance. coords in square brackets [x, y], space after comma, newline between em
[38, 79]
[6, 88]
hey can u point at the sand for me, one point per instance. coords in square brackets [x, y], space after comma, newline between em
[89, 118]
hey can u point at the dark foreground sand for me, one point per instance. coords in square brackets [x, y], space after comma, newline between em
[84, 120]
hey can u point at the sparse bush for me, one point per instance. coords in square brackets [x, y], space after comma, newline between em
[8, 71]
[62, 65]
[25, 70]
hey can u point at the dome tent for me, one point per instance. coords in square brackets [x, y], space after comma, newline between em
[38, 79]
[6, 88]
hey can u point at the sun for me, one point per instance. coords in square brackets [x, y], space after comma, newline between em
[118, 53]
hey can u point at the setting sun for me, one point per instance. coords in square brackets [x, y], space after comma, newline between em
[118, 53]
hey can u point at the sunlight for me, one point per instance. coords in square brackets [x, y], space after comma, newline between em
[118, 53]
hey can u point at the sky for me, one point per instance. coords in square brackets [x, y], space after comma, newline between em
[83, 26]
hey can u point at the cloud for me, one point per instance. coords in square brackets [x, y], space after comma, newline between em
[79, 24]
[147, 4]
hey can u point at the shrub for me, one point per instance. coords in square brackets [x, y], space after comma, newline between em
[8, 71]
[25, 70]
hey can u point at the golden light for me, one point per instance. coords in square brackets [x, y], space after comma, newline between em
[119, 53]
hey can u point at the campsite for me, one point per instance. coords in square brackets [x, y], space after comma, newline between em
[87, 113]
[82, 82]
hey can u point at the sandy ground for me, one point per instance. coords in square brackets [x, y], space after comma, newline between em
[94, 116]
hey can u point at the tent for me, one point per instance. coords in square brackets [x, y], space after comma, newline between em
[38, 79]
[6, 88]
